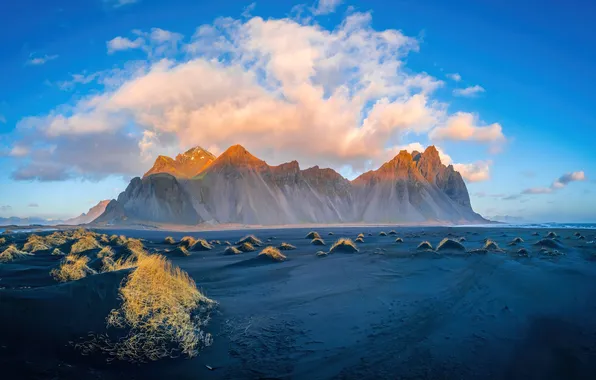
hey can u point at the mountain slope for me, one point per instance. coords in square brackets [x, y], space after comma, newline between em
[185, 165]
[90, 215]
[238, 187]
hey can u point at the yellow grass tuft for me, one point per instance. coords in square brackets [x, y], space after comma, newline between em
[317, 241]
[272, 253]
[84, 243]
[451, 245]
[360, 236]
[491, 245]
[232, 251]
[425, 245]
[343, 245]
[2, 241]
[169, 240]
[252, 239]
[179, 251]
[399, 240]
[160, 308]
[321, 254]
[313, 235]
[382, 233]
[359, 240]
[286, 247]
[73, 267]
[105, 252]
[35, 243]
[187, 242]
[108, 264]
[246, 247]
[200, 245]
[57, 252]
[104, 239]
[12, 253]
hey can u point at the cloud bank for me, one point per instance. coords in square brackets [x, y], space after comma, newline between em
[557, 184]
[284, 88]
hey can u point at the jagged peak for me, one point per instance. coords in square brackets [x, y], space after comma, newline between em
[239, 156]
[431, 153]
[290, 166]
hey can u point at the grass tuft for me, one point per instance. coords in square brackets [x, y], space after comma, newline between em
[343, 245]
[246, 247]
[163, 312]
[200, 245]
[12, 253]
[382, 233]
[35, 243]
[73, 267]
[272, 253]
[359, 240]
[450, 245]
[312, 235]
[232, 251]
[286, 247]
[84, 243]
[252, 239]
[169, 240]
[425, 245]
[399, 240]
[317, 241]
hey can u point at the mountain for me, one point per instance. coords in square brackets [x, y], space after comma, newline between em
[185, 165]
[157, 198]
[237, 187]
[90, 215]
[17, 221]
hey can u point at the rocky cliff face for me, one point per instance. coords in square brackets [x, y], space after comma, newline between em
[237, 187]
[157, 198]
[185, 165]
[88, 217]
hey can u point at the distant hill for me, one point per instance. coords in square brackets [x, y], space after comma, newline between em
[16, 221]
[237, 187]
[90, 215]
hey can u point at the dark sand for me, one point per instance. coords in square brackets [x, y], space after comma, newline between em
[387, 312]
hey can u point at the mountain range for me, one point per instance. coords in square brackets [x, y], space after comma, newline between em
[88, 217]
[238, 188]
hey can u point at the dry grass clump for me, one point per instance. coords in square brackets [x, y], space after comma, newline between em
[252, 239]
[551, 235]
[200, 245]
[321, 254]
[163, 311]
[360, 236]
[169, 240]
[246, 247]
[118, 240]
[272, 253]
[523, 252]
[56, 238]
[392, 232]
[461, 239]
[577, 234]
[84, 243]
[12, 253]
[312, 235]
[232, 251]
[286, 247]
[343, 245]
[187, 242]
[317, 241]
[104, 239]
[2, 241]
[35, 243]
[179, 251]
[73, 267]
[548, 243]
[382, 233]
[105, 252]
[135, 247]
[425, 245]
[359, 240]
[330, 233]
[108, 264]
[57, 252]
[491, 245]
[450, 245]
[399, 240]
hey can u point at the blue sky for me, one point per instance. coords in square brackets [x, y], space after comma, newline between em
[76, 122]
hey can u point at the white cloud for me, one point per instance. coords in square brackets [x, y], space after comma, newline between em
[469, 91]
[33, 205]
[330, 97]
[474, 172]
[557, 184]
[123, 43]
[19, 151]
[464, 126]
[119, 3]
[37, 61]
[455, 76]
[326, 6]
[5, 208]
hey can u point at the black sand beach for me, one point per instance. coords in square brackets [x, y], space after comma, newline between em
[388, 311]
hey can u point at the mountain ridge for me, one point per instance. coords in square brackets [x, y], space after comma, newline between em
[238, 187]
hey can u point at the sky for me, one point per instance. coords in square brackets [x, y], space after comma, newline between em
[92, 91]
